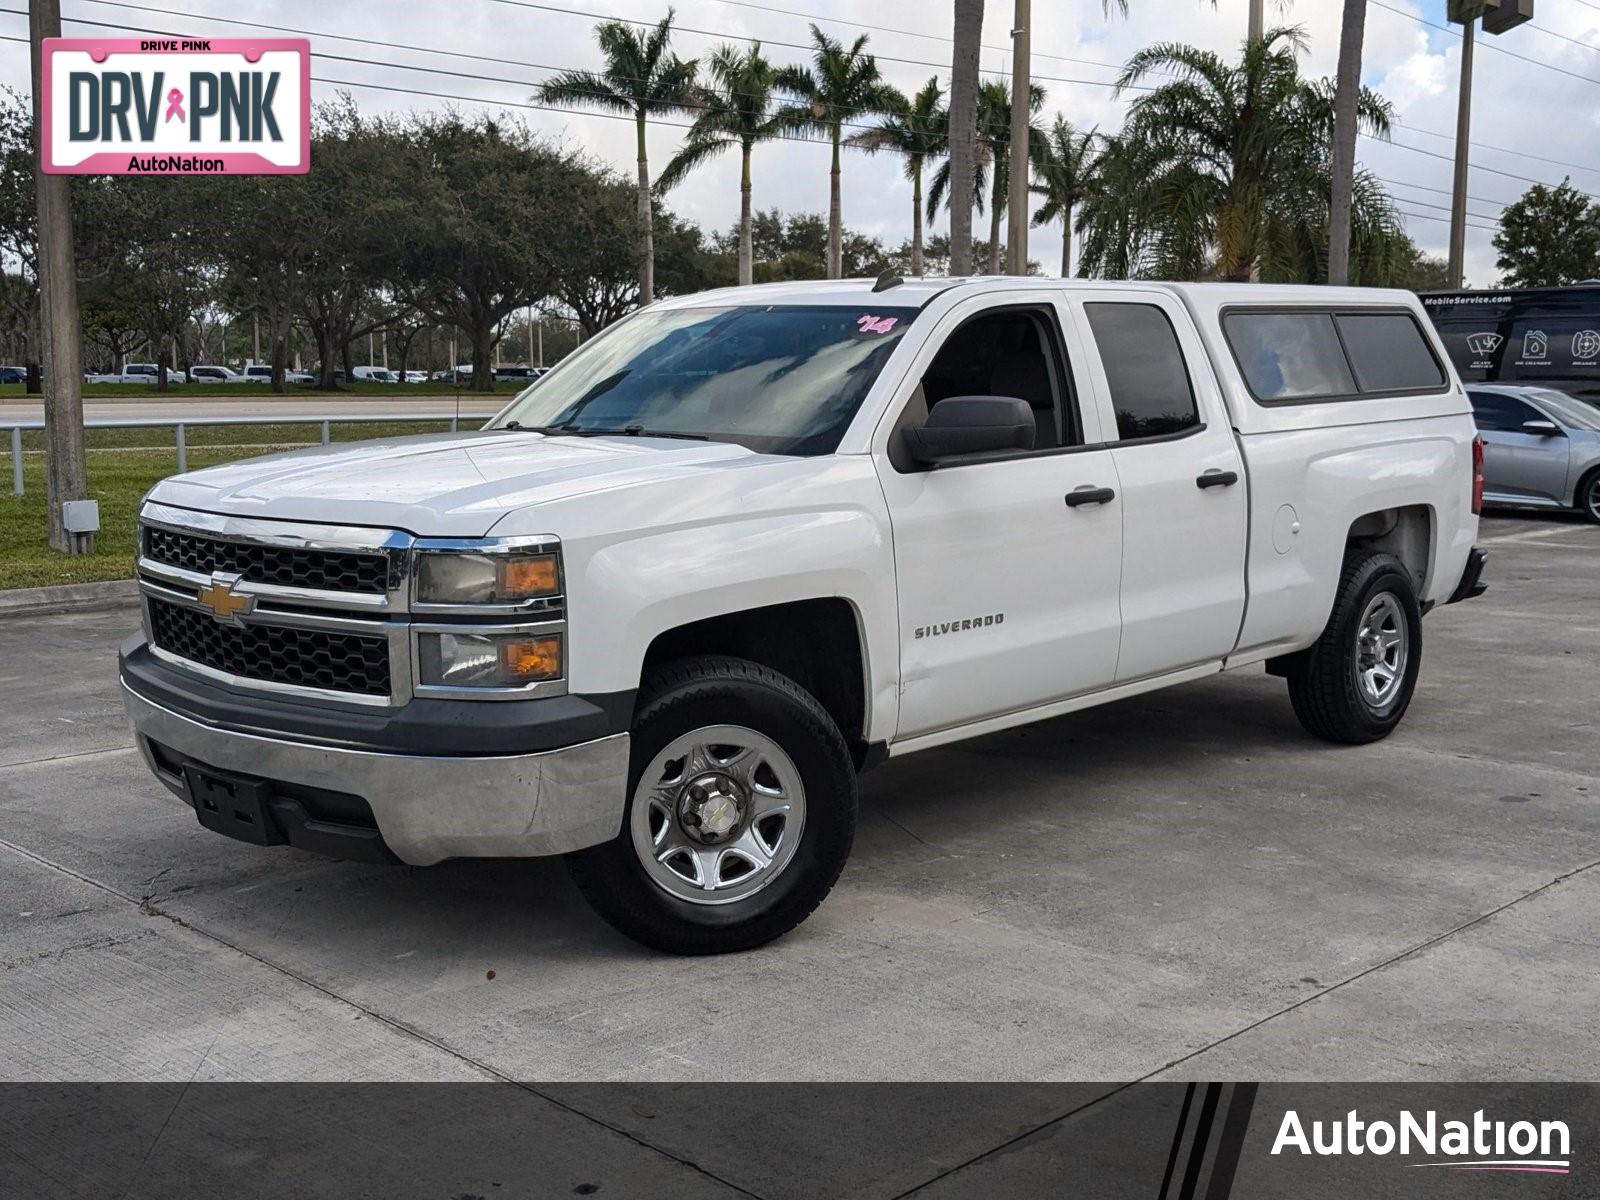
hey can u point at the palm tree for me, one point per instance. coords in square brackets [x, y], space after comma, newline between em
[1068, 173]
[737, 111]
[1118, 237]
[917, 127]
[992, 177]
[842, 85]
[1222, 140]
[964, 128]
[643, 79]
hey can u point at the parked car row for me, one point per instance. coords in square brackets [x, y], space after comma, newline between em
[262, 373]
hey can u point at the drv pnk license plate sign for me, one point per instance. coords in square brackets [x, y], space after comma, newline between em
[177, 106]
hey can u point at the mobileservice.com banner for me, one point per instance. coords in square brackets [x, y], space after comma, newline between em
[799, 1142]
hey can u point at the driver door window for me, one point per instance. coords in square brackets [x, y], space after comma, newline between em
[1014, 353]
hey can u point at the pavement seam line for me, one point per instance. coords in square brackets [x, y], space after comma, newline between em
[76, 754]
[1376, 967]
[391, 1022]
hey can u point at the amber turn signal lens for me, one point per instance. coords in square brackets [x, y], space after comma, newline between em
[523, 578]
[530, 659]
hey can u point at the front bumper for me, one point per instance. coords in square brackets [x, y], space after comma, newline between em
[426, 807]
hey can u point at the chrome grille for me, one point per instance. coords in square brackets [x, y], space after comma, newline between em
[309, 658]
[324, 611]
[284, 566]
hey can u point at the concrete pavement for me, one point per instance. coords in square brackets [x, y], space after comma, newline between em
[1179, 885]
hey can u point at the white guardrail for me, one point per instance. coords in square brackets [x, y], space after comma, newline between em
[182, 425]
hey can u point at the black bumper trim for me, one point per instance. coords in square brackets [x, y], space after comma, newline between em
[430, 726]
[1471, 585]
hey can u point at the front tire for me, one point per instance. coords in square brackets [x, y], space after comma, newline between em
[741, 812]
[1355, 684]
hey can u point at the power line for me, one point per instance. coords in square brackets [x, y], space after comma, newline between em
[1428, 204]
[1440, 208]
[1448, 159]
[1449, 137]
[1490, 43]
[1441, 191]
[723, 35]
[1444, 220]
[898, 32]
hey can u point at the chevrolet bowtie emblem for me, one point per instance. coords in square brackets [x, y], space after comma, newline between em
[226, 604]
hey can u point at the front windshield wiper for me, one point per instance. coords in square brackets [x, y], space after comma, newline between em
[631, 431]
[580, 431]
[547, 430]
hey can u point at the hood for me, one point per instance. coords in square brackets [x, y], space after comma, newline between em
[439, 485]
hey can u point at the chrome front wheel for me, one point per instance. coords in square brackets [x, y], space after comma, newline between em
[718, 814]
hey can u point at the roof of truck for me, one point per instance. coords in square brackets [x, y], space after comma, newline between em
[917, 292]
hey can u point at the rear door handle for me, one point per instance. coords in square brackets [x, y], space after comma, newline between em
[1213, 479]
[1090, 495]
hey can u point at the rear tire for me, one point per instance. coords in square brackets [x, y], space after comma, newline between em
[1355, 684]
[741, 811]
[1588, 496]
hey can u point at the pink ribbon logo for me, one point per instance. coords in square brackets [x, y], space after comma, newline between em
[175, 105]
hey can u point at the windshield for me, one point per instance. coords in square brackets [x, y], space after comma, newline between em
[1572, 412]
[780, 380]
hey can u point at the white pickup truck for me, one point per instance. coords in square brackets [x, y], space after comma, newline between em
[139, 373]
[660, 612]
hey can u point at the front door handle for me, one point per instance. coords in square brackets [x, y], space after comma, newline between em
[1090, 495]
[1213, 479]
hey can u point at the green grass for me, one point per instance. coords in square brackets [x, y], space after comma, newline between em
[260, 391]
[123, 465]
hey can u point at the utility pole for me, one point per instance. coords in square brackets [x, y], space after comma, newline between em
[1021, 115]
[1498, 16]
[1458, 200]
[66, 475]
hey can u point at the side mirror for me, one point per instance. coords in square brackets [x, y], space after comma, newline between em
[965, 425]
[1541, 428]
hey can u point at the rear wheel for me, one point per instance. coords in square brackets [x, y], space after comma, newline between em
[741, 812]
[1355, 684]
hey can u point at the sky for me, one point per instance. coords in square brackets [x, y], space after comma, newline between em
[1535, 117]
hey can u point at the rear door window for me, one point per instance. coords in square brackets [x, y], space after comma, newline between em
[1388, 352]
[1289, 356]
[1149, 380]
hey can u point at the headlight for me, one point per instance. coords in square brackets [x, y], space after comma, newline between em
[489, 660]
[499, 578]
